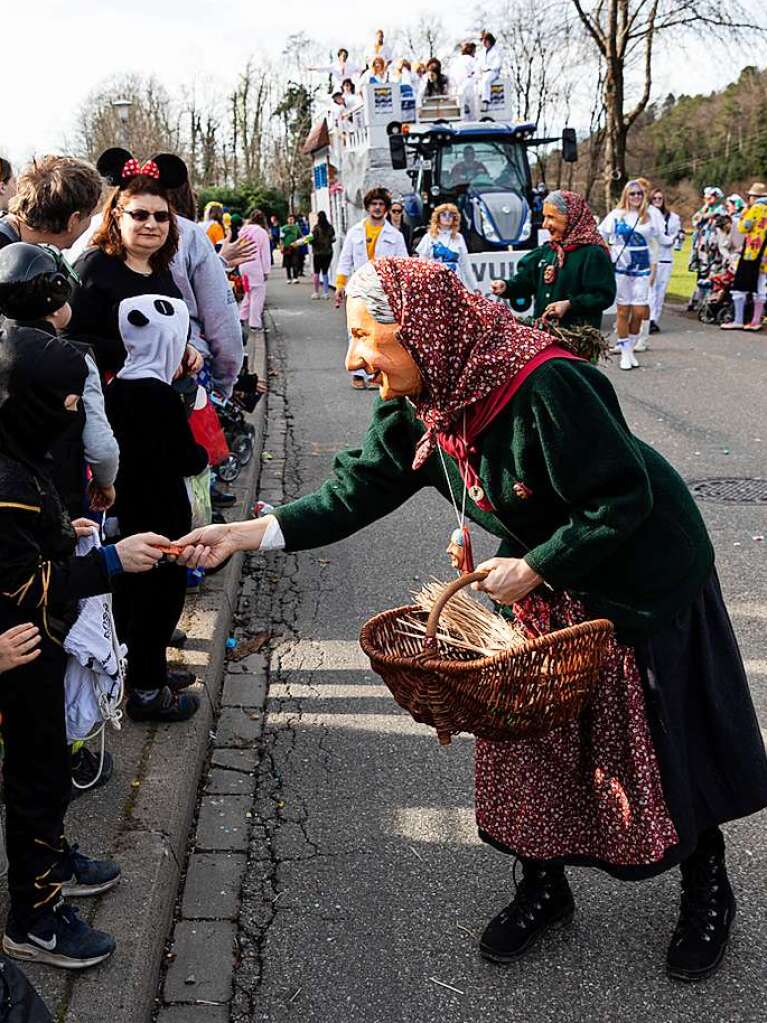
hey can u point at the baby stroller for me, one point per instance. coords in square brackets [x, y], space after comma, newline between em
[239, 433]
[716, 303]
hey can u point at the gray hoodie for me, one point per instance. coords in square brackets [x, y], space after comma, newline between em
[199, 274]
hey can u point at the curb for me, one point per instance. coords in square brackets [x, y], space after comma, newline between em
[151, 847]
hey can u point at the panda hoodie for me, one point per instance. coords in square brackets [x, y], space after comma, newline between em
[157, 449]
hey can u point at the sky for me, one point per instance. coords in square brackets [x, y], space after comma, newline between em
[75, 44]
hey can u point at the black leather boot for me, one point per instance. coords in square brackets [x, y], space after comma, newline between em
[707, 911]
[542, 900]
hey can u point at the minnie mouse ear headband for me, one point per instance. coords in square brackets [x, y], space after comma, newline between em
[118, 167]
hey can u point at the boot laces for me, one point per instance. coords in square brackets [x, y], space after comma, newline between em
[701, 906]
[528, 899]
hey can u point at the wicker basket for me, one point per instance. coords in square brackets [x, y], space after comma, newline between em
[518, 693]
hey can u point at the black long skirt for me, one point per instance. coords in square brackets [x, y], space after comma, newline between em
[703, 725]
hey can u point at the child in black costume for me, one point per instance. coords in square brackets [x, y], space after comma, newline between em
[157, 450]
[42, 379]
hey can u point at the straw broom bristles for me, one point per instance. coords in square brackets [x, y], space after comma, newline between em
[464, 623]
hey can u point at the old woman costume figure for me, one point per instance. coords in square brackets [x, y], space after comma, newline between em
[669, 748]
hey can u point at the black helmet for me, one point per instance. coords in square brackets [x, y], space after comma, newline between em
[35, 281]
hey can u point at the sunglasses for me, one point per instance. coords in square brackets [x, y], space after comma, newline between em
[141, 216]
[657, 198]
[636, 193]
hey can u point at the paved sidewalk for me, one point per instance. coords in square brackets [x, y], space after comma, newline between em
[365, 885]
[142, 817]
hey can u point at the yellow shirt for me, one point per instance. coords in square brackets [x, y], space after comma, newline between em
[371, 237]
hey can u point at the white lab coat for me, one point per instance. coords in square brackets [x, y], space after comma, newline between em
[339, 72]
[385, 52]
[490, 62]
[354, 253]
[463, 75]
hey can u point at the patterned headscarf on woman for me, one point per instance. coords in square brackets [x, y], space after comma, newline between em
[581, 225]
[464, 345]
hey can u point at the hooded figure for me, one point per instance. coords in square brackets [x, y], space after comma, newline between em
[532, 443]
[570, 277]
[41, 379]
[157, 452]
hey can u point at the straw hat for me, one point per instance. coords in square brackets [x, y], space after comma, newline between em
[758, 188]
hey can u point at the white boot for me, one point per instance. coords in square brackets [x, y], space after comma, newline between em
[628, 359]
[644, 332]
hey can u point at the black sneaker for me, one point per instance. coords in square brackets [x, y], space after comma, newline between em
[178, 638]
[543, 900]
[705, 917]
[654, 328]
[60, 939]
[85, 770]
[180, 678]
[166, 707]
[80, 875]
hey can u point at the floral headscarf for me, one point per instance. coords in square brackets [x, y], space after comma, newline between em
[464, 345]
[581, 225]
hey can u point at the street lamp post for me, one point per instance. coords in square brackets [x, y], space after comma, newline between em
[122, 107]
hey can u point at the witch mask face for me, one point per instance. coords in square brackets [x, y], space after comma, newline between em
[374, 347]
[554, 221]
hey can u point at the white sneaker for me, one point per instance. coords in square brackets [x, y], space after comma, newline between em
[315, 297]
[634, 360]
[641, 346]
[616, 349]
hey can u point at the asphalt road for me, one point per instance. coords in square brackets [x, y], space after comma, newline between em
[366, 884]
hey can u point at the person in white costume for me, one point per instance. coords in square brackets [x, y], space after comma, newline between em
[490, 61]
[444, 243]
[464, 75]
[371, 238]
[670, 227]
[339, 70]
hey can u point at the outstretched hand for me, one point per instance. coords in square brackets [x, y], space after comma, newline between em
[210, 546]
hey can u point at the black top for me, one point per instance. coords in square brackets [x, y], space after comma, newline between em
[41, 580]
[157, 450]
[105, 282]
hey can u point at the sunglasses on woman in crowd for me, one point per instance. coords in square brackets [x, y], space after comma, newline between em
[161, 216]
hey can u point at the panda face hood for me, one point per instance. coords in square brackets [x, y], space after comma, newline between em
[154, 330]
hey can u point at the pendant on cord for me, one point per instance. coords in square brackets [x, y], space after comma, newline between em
[459, 549]
[476, 493]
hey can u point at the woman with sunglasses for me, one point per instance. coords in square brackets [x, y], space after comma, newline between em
[131, 255]
[672, 227]
[396, 218]
[631, 233]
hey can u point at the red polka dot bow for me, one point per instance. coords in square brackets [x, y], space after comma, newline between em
[132, 169]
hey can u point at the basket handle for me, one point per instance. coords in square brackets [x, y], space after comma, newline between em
[430, 640]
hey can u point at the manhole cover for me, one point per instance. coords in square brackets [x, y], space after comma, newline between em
[730, 491]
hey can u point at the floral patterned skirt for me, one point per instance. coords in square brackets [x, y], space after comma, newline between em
[589, 791]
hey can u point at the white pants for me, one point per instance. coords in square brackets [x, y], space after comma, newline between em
[487, 80]
[632, 290]
[659, 289]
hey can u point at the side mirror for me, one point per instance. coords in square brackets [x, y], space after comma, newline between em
[398, 152]
[569, 145]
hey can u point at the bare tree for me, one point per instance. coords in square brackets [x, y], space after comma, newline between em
[154, 121]
[625, 34]
[424, 38]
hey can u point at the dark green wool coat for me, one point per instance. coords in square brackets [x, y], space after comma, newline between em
[587, 279]
[608, 518]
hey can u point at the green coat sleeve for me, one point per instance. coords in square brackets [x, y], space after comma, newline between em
[367, 484]
[597, 278]
[524, 283]
[595, 467]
